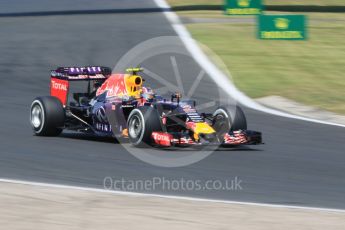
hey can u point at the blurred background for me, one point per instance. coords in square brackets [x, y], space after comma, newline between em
[311, 72]
[301, 163]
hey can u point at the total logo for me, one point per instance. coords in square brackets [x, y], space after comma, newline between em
[157, 136]
[59, 86]
[243, 3]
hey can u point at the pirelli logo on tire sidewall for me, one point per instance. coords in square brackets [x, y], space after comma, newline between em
[243, 7]
[282, 27]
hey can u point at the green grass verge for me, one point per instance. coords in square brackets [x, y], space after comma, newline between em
[266, 2]
[311, 72]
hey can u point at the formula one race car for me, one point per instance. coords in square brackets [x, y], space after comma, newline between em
[118, 105]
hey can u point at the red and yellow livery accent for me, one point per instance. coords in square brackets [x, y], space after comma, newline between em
[119, 85]
[59, 89]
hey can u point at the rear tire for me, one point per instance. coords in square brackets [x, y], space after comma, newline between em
[226, 120]
[47, 116]
[141, 123]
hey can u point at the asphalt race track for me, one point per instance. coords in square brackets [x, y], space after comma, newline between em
[302, 163]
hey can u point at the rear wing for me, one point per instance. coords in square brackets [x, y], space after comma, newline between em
[60, 78]
[81, 73]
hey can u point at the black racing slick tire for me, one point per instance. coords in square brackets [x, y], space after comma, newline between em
[141, 123]
[228, 119]
[47, 116]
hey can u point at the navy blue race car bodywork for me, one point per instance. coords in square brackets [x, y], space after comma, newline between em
[118, 105]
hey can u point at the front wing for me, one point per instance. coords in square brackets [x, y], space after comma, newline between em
[233, 138]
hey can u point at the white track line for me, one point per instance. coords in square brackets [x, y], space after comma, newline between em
[213, 72]
[217, 75]
[136, 194]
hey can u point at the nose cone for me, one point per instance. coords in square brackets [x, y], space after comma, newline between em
[203, 128]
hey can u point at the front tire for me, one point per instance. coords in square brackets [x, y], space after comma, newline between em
[47, 116]
[226, 120]
[141, 123]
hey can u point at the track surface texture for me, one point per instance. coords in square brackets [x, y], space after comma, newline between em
[301, 163]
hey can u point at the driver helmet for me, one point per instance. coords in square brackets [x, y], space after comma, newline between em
[147, 93]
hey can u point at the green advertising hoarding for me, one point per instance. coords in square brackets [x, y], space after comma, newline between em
[282, 27]
[243, 7]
